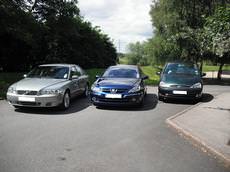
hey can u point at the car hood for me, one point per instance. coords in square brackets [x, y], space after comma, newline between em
[181, 79]
[116, 82]
[37, 84]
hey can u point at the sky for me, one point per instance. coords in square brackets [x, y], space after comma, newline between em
[124, 21]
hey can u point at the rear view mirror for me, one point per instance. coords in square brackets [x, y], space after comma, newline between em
[203, 74]
[145, 77]
[158, 73]
[75, 77]
[97, 76]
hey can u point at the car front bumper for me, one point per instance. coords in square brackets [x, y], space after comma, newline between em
[99, 99]
[34, 101]
[191, 93]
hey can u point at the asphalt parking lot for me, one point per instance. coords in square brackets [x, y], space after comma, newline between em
[89, 139]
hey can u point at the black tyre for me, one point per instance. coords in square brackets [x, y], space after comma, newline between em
[86, 91]
[66, 101]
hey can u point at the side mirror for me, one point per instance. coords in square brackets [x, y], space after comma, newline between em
[74, 77]
[145, 77]
[158, 73]
[203, 74]
[25, 75]
[97, 76]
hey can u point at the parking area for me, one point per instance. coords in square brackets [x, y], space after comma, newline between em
[85, 138]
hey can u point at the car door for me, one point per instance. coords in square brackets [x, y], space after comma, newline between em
[82, 79]
[75, 84]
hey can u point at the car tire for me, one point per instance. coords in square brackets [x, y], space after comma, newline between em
[86, 91]
[65, 101]
[16, 107]
[160, 98]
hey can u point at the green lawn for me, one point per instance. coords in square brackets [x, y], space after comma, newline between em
[151, 72]
[208, 68]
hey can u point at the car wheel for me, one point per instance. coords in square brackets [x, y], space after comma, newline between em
[160, 98]
[86, 91]
[16, 107]
[66, 101]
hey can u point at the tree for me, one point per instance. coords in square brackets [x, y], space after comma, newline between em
[180, 23]
[40, 31]
[217, 35]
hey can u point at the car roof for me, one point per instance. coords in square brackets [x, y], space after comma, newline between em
[125, 66]
[59, 64]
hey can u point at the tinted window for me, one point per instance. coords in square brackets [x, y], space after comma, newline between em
[121, 73]
[57, 72]
[75, 71]
[177, 68]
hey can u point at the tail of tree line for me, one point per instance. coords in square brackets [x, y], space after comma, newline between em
[37, 31]
[195, 30]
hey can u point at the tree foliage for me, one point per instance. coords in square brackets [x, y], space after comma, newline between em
[39, 31]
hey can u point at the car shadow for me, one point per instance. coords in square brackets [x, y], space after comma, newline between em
[214, 81]
[150, 102]
[205, 98]
[77, 104]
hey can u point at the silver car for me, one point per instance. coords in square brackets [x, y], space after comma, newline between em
[49, 85]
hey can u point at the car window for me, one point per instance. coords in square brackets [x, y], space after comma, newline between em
[121, 73]
[178, 68]
[75, 71]
[56, 72]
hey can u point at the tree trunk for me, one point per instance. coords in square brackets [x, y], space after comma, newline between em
[220, 71]
[201, 66]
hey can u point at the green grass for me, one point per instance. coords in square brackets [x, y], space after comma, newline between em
[151, 72]
[208, 68]
[123, 60]
[92, 73]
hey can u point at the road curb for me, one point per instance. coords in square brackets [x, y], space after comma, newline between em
[196, 141]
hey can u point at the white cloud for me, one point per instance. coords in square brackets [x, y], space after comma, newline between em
[124, 20]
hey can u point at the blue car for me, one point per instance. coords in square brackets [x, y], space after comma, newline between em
[120, 85]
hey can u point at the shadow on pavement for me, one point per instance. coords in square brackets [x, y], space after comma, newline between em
[77, 104]
[214, 81]
[207, 98]
[150, 102]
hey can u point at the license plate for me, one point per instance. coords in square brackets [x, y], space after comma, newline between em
[180, 92]
[113, 96]
[26, 99]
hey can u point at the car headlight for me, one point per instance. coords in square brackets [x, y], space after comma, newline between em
[135, 89]
[197, 85]
[95, 89]
[163, 84]
[11, 89]
[47, 92]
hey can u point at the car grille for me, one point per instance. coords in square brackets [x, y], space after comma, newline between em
[26, 92]
[114, 90]
[179, 86]
[29, 103]
[112, 100]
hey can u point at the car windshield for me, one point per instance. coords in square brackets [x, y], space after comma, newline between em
[183, 69]
[56, 72]
[121, 73]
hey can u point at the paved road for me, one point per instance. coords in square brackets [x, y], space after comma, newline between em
[87, 139]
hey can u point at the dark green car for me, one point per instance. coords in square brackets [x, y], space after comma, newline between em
[180, 81]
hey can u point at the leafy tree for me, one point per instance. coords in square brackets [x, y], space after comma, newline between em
[40, 31]
[217, 36]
